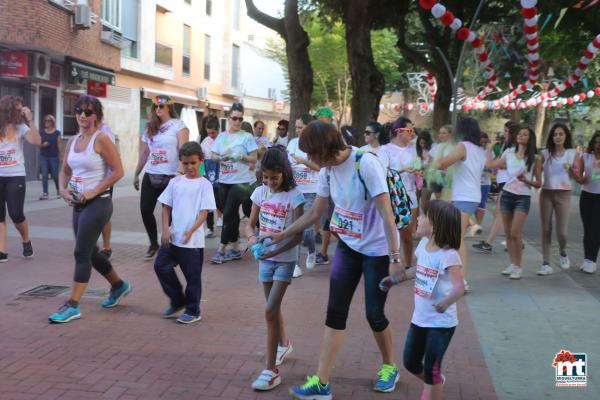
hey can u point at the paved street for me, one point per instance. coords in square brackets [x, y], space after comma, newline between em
[503, 348]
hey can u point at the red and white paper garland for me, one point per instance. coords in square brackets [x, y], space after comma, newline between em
[431, 86]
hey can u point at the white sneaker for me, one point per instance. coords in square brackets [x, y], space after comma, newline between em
[472, 231]
[283, 352]
[544, 270]
[297, 272]
[220, 222]
[517, 272]
[311, 259]
[589, 267]
[267, 380]
[503, 243]
[565, 263]
[209, 233]
[508, 270]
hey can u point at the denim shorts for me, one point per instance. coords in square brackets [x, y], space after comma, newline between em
[510, 202]
[269, 271]
[468, 207]
[485, 191]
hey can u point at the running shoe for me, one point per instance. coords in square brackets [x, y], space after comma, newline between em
[4, 257]
[65, 313]
[508, 270]
[312, 390]
[283, 352]
[107, 253]
[115, 295]
[219, 222]
[172, 311]
[311, 260]
[27, 249]
[388, 377]
[188, 319]
[297, 272]
[267, 380]
[545, 270]
[565, 263]
[151, 252]
[322, 259]
[209, 234]
[472, 230]
[44, 196]
[589, 267]
[516, 274]
[483, 247]
[233, 255]
[218, 258]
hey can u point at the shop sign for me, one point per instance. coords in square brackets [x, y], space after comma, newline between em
[13, 64]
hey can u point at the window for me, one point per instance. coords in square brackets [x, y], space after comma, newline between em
[111, 13]
[163, 54]
[236, 15]
[129, 18]
[235, 61]
[187, 39]
[208, 8]
[272, 94]
[207, 57]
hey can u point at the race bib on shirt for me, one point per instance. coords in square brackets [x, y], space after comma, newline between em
[425, 281]
[76, 184]
[272, 218]
[304, 176]
[228, 167]
[344, 222]
[159, 156]
[8, 158]
[596, 174]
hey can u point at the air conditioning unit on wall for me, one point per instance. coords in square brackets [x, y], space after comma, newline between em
[82, 17]
[202, 92]
[40, 66]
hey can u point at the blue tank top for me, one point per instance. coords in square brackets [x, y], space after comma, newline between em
[52, 149]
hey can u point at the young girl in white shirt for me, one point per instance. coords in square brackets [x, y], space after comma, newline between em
[276, 204]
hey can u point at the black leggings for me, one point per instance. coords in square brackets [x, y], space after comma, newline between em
[12, 193]
[232, 196]
[589, 203]
[428, 343]
[347, 268]
[148, 198]
[88, 221]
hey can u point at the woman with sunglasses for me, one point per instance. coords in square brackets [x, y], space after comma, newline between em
[49, 153]
[13, 133]
[236, 152]
[91, 166]
[158, 153]
[375, 137]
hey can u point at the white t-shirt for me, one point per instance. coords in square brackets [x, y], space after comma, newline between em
[466, 183]
[556, 175]
[164, 157]
[592, 170]
[187, 197]
[514, 168]
[356, 220]
[235, 145]
[263, 142]
[283, 141]
[305, 177]
[206, 145]
[432, 284]
[399, 158]
[276, 214]
[12, 162]
[375, 150]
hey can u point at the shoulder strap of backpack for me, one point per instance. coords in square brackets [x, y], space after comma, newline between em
[357, 159]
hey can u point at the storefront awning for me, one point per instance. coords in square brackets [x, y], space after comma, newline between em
[150, 93]
[78, 71]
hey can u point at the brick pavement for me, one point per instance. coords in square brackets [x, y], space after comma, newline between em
[131, 353]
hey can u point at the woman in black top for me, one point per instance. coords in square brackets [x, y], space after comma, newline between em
[49, 154]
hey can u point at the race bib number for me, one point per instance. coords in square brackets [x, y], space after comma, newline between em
[228, 167]
[349, 223]
[76, 184]
[272, 218]
[596, 174]
[425, 281]
[304, 176]
[159, 156]
[8, 158]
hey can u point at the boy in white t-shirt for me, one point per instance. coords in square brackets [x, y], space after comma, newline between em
[187, 200]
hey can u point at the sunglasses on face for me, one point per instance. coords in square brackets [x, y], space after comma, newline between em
[369, 133]
[87, 111]
[237, 119]
[47, 120]
[161, 106]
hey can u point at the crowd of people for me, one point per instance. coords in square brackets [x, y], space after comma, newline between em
[292, 191]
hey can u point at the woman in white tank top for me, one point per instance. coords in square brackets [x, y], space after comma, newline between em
[469, 159]
[91, 166]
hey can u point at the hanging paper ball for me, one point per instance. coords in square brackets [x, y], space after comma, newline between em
[463, 33]
[531, 36]
[447, 18]
[576, 98]
[472, 36]
[570, 101]
[588, 54]
[593, 49]
[585, 60]
[528, 13]
[528, 3]
[532, 22]
[597, 91]
[590, 94]
[530, 29]
[476, 43]
[534, 56]
[596, 41]
[456, 24]
[427, 4]
[438, 10]
[554, 103]
[396, 107]
[483, 57]
[582, 96]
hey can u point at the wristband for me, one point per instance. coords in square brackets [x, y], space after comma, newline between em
[394, 260]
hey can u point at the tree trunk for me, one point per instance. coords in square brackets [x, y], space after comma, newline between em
[368, 84]
[540, 118]
[441, 108]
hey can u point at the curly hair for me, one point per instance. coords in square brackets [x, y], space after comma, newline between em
[154, 124]
[9, 114]
[276, 159]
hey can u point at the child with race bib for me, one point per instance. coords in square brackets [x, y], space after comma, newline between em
[276, 204]
[438, 285]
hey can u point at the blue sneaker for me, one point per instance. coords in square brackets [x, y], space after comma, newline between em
[233, 255]
[312, 390]
[388, 377]
[171, 311]
[65, 313]
[115, 296]
[218, 258]
[188, 319]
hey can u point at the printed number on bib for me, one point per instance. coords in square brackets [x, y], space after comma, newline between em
[425, 281]
[303, 176]
[344, 222]
[76, 184]
[8, 158]
[228, 167]
[272, 218]
[159, 156]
